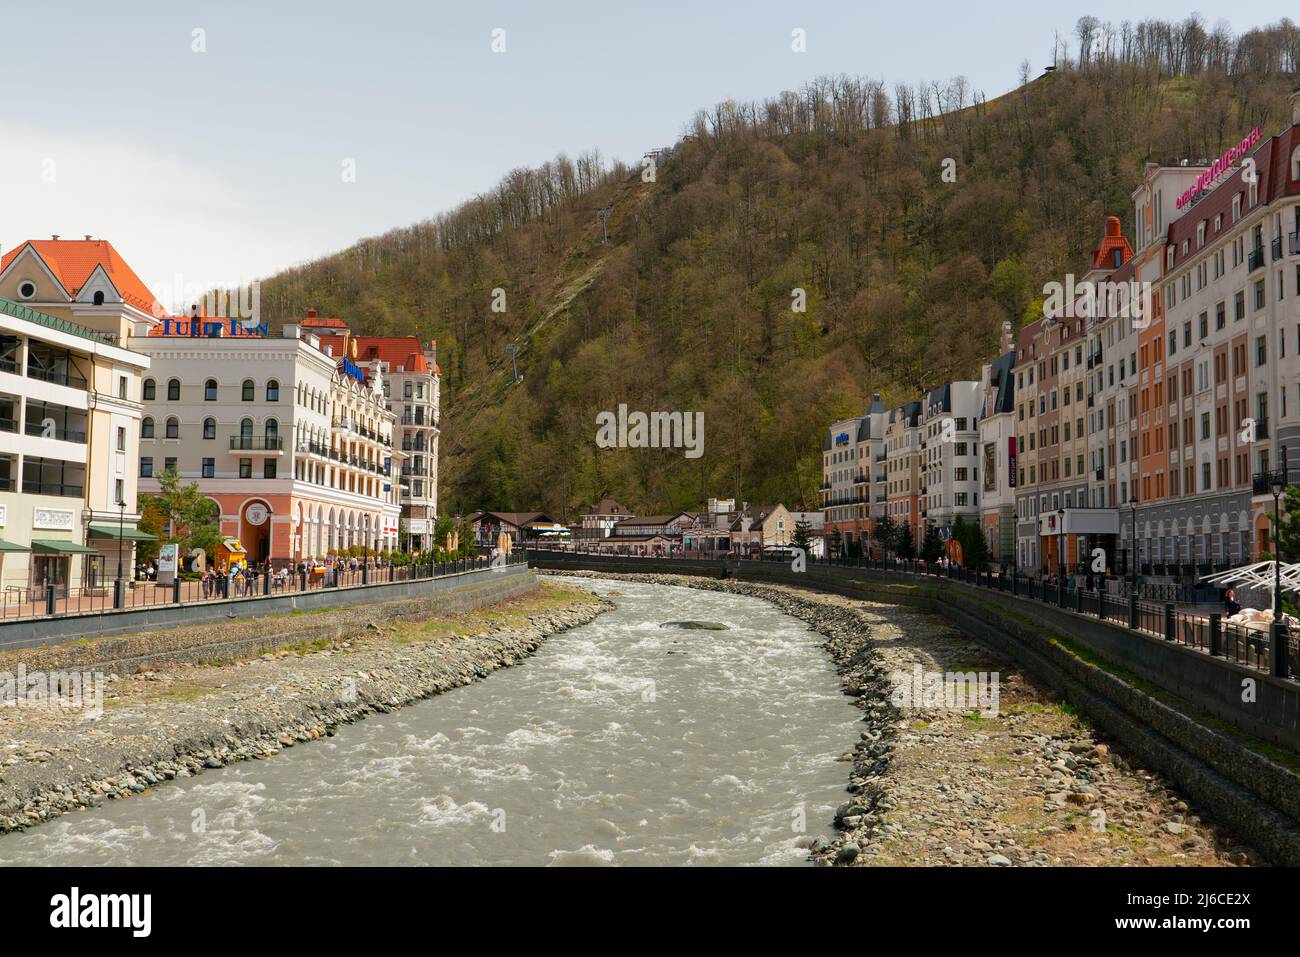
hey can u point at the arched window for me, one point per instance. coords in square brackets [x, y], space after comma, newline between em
[99, 298]
[146, 426]
[248, 391]
[272, 429]
[150, 389]
[209, 428]
[173, 428]
[210, 391]
[272, 391]
[246, 428]
[173, 390]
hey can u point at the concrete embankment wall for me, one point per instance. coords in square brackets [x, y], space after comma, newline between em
[1127, 683]
[136, 638]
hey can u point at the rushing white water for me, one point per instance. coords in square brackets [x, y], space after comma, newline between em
[620, 742]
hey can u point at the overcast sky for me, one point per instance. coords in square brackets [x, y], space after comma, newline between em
[225, 165]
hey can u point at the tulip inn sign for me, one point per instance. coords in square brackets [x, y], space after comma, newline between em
[1219, 167]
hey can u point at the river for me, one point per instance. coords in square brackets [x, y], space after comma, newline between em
[620, 742]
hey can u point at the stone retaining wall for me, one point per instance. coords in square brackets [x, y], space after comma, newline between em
[241, 638]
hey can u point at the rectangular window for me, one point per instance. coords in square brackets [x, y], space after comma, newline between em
[146, 466]
[268, 468]
[209, 468]
[245, 468]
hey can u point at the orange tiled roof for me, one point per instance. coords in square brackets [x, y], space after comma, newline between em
[393, 351]
[1103, 256]
[73, 261]
[313, 321]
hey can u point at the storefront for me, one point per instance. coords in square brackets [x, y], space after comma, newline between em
[51, 564]
[1077, 538]
[113, 554]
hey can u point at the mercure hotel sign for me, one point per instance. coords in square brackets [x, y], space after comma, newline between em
[1219, 167]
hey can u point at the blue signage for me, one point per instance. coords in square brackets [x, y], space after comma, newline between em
[842, 439]
[354, 370]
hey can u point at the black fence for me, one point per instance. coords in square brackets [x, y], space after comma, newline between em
[1209, 633]
[52, 601]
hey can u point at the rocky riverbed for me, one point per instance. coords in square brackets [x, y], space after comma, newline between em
[179, 719]
[1027, 784]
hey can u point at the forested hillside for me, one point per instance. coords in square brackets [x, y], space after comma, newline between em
[837, 190]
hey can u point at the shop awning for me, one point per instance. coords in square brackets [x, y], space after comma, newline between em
[130, 534]
[48, 546]
[11, 547]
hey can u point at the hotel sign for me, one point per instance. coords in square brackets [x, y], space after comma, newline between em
[53, 519]
[211, 328]
[1220, 167]
[842, 439]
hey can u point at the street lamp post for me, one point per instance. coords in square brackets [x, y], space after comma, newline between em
[121, 523]
[1133, 542]
[1060, 543]
[1277, 485]
[1060, 557]
[1133, 575]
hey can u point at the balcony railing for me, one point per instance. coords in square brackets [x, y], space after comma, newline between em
[53, 488]
[57, 376]
[1261, 482]
[1277, 248]
[256, 443]
[1295, 243]
[1255, 260]
[37, 429]
[1261, 428]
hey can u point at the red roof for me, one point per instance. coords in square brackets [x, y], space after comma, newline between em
[73, 261]
[314, 321]
[1103, 257]
[393, 351]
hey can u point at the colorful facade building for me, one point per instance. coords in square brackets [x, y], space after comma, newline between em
[412, 391]
[70, 405]
[998, 453]
[293, 443]
[903, 467]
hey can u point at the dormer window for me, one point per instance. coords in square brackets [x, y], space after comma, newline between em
[99, 298]
[27, 289]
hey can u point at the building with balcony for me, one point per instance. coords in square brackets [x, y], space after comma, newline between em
[70, 412]
[997, 443]
[903, 452]
[853, 476]
[412, 392]
[294, 443]
[950, 486]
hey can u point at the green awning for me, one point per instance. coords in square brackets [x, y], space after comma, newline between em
[47, 546]
[110, 531]
[11, 547]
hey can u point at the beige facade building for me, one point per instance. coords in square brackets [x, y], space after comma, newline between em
[70, 408]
